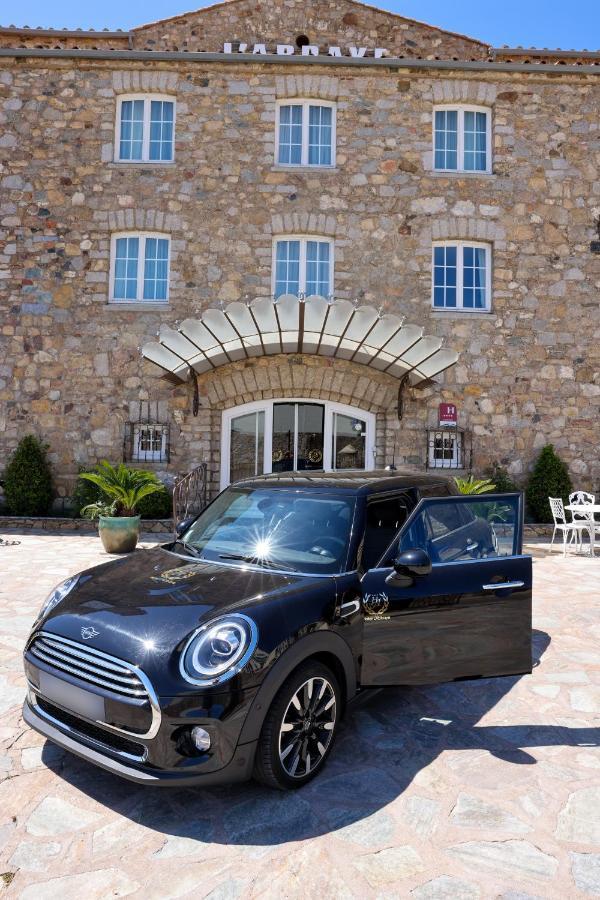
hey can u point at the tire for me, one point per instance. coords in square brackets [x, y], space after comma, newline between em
[299, 729]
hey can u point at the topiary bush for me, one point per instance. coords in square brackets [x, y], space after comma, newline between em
[28, 479]
[550, 478]
[155, 506]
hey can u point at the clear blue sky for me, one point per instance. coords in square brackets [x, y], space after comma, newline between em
[551, 23]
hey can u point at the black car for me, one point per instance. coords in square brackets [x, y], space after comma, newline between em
[234, 650]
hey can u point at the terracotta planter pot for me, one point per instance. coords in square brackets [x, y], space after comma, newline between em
[119, 534]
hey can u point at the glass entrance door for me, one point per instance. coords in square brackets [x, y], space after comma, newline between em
[247, 445]
[295, 435]
[298, 436]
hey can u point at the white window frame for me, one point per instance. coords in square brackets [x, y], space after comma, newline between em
[303, 239]
[460, 245]
[266, 406]
[143, 236]
[147, 98]
[138, 455]
[461, 109]
[305, 103]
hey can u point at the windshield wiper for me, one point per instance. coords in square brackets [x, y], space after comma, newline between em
[189, 547]
[257, 560]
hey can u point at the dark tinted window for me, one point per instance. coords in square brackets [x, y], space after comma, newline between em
[385, 517]
[473, 529]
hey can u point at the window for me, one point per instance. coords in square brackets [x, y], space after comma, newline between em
[462, 139]
[139, 268]
[303, 266]
[305, 133]
[145, 129]
[150, 443]
[458, 529]
[384, 519]
[462, 276]
[446, 448]
[146, 442]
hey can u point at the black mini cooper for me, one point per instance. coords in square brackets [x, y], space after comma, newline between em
[234, 650]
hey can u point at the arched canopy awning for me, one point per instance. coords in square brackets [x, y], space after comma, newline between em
[291, 324]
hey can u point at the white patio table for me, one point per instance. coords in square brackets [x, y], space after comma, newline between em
[588, 510]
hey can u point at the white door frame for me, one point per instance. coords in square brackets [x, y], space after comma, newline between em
[267, 407]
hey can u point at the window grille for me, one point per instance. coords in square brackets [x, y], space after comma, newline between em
[448, 448]
[147, 439]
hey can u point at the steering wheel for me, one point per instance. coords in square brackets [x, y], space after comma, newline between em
[331, 545]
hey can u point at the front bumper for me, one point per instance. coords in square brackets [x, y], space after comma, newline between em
[119, 762]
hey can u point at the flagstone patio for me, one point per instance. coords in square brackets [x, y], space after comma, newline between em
[484, 789]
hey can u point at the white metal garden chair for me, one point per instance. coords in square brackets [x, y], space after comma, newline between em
[571, 530]
[583, 499]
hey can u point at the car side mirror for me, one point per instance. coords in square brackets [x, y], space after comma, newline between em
[411, 564]
[183, 526]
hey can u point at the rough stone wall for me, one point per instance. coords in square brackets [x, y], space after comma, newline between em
[326, 23]
[529, 371]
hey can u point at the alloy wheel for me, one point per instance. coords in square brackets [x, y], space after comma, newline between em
[307, 727]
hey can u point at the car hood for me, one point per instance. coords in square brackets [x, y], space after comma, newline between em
[149, 602]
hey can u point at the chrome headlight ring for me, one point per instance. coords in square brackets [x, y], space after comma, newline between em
[218, 650]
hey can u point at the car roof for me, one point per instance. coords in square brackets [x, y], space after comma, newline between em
[374, 482]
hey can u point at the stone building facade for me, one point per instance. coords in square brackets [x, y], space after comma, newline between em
[71, 369]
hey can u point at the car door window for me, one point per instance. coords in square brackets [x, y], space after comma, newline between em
[384, 520]
[450, 530]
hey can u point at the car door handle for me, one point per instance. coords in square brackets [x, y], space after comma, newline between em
[503, 585]
[471, 545]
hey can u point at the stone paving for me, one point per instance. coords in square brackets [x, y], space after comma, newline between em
[487, 789]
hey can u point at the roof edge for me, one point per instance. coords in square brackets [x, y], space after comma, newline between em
[272, 59]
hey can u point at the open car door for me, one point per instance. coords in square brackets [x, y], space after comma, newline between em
[457, 602]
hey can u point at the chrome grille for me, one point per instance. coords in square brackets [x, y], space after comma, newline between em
[88, 664]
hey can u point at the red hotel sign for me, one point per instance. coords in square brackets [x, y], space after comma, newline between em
[447, 414]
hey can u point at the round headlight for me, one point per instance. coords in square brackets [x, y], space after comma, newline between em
[219, 649]
[54, 597]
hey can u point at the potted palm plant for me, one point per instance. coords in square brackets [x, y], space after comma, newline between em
[123, 489]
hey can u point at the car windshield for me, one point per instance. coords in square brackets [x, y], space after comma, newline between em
[282, 529]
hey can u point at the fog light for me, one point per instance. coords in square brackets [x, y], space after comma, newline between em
[200, 739]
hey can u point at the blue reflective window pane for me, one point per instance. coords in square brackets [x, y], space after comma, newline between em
[319, 135]
[132, 122]
[468, 256]
[438, 296]
[468, 298]
[451, 276]
[439, 275]
[287, 268]
[439, 256]
[125, 268]
[450, 256]
[156, 269]
[451, 297]
[290, 135]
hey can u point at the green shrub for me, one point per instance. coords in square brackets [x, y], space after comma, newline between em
[85, 493]
[502, 480]
[472, 485]
[153, 506]
[156, 506]
[550, 478]
[28, 479]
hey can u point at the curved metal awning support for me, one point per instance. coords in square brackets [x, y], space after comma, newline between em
[292, 324]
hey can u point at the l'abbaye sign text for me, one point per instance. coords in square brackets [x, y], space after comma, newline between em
[306, 50]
